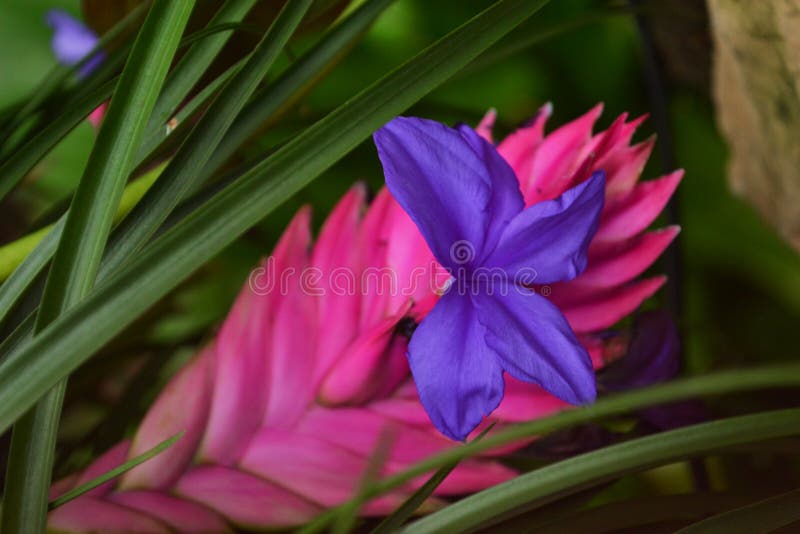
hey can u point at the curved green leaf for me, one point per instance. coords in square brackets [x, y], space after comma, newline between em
[539, 487]
[192, 66]
[763, 516]
[38, 365]
[185, 166]
[80, 248]
[114, 473]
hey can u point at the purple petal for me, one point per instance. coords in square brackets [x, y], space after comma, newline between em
[72, 40]
[457, 374]
[653, 356]
[536, 344]
[552, 237]
[453, 184]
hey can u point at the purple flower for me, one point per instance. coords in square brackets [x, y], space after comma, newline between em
[653, 356]
[72, 41]
[466, 201]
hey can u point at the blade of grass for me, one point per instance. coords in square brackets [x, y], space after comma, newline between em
[523, 39]
[34, 251]
[762, 516]
[635, 513]
[145, 218]
[80, 249]
[22, 261]
[159, 132]
[29, 371]
[264, 105]
[192, 65]
[539, 487]
[393, 522]
[14, 169]
[300, 76]
[114, 473]
[60, 74]
[26, 156]
[348, 517]
[775, 376]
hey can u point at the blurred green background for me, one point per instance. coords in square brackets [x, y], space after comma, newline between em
[740, 284]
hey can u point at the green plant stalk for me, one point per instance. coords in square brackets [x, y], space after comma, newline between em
[80, 249]
[547, 484]
[145, 218]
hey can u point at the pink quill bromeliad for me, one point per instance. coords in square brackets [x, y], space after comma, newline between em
[283, 412]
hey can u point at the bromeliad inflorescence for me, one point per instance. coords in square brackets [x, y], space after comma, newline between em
[279, 426]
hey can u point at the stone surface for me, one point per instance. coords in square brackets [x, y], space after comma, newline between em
[757, 93]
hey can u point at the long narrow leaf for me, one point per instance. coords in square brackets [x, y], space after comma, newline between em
[158, 133]
[775, 376]
[56, 78]
[114, 473]
[403, 513]
[80, 248]
[25, 157]
[37, 366]
[196, 61]
[539, 487]
[143, 221]
[267, 102]
[26, 258]
[763, 516]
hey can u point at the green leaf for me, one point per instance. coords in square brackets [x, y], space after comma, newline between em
[22, 261]
[29, 154]
[403, 513]
[299, 77]
[157, 134]
[60, 74]
[36, 366]
[635, 513]
[192, 65]
[23, 158]
[265, 104]
[26, 258]
[775, 376]
[544, 485]
[145, 218]
[80, 248]
[114, 473]
[763, 516]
